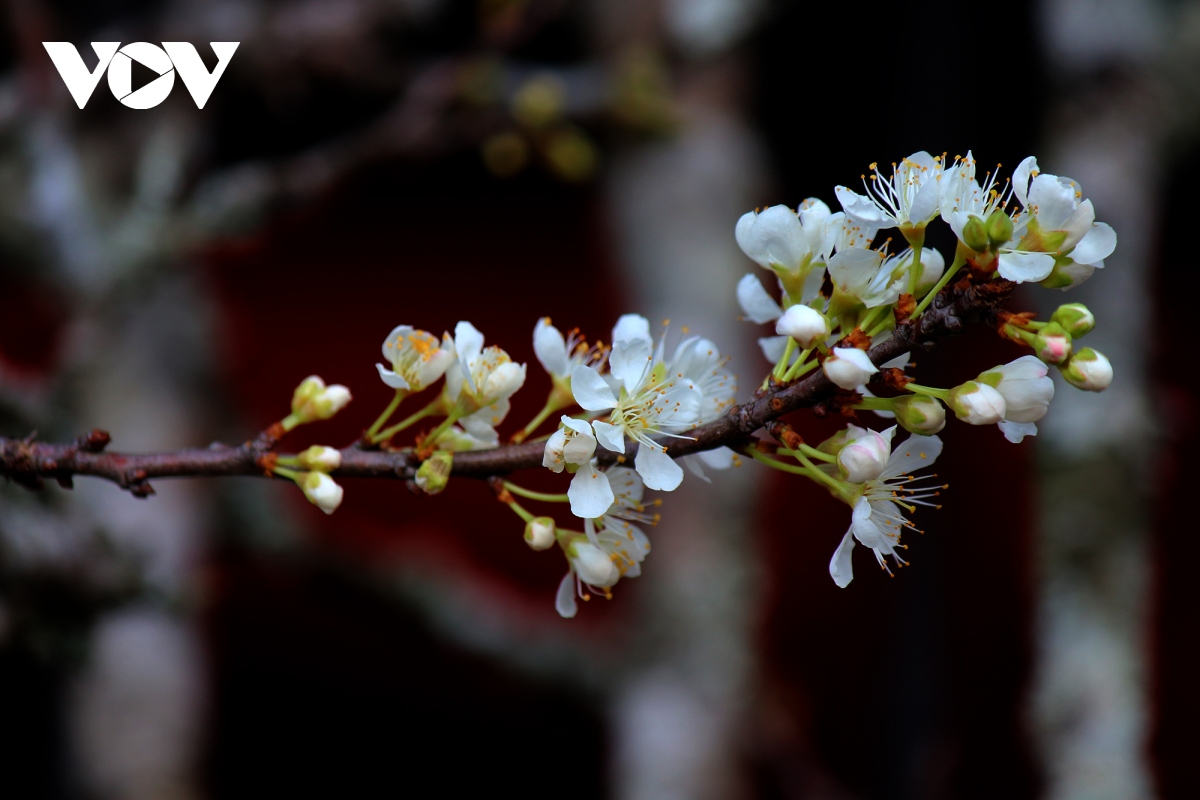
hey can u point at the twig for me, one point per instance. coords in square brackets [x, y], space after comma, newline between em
[28, 462]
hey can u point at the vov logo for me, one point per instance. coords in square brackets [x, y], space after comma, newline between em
[164, 61]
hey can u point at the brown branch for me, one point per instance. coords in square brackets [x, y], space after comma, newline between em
[29, 462]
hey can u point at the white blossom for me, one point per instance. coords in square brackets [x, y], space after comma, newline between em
[865, 457]
[848, 367]
[649, 401]
[976, 403]
[878, 512]
[1088, 370]
[793, 244]
[482, 381]
[418, 359]
[1027, 391]
[559, 355]
[321, 491]
[908, 199]
[804, 324]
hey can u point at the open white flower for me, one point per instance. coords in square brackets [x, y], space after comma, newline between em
[559, 355]
[878, 516]
[793, 244]
[482, 381]
[1027, 391]
[1060, 226]
[649, 401]
[574, 444]
[418, 359]
[614, 535]
[906, 200]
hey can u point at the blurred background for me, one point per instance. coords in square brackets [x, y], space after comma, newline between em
[171, 274]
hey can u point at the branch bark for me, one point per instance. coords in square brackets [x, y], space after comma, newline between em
[28, 462]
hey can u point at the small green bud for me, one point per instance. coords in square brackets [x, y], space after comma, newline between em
[539, 533]
[919, 414]
[434, 473]
[1075, 318]
[975, 235]
[1088, 370]
[313, 401]
[999, 227]
[1053, 344]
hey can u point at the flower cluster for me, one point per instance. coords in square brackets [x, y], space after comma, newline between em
[620, 408]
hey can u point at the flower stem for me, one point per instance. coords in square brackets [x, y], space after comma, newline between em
[875, 404]
[840, 488]
[800, 367]
[929, 391]
[916, 269]
[551, 406]
[781, 367]
[388, 433]
[387, 413]
[290, 474]
[519, 511]
[452, 418]
[879, 327]
[959, 259]
[532, 495]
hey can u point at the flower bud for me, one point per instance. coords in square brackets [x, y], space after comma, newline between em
[804, 324]
[321, 490]
[1053, 344]
[313, 400]
[976, 403]
[848, 367]
[573, 443]
[919, 414]
[592, 565]
[1025, 387]
[539, 533]
[1088, 370]
[865, 458]
[999, 227]
[834, 444]
[975, 235]
[320, 458]
[434, 473]
[1075, 318]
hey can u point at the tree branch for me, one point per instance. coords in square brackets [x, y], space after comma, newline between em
[28, 462]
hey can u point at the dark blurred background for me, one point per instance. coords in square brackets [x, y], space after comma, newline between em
[171, 274]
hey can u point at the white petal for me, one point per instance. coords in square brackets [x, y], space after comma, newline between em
[1025, 267]
[550, 348]
[390, 378]
[1054, 198]
[468, 341]
[757, 305]
[579, 449]
[1020, 179]
[589, 493]
[852, 269]
[590, 390]
[1097, 245]
[925, 205]
[1016, 431]
[695, 467]
[772, 347]
[658, 470]
[632, 328]
[776, 237]
[914, 453]
[861, 209]
[580, 426]
[564, 600]
[610, 436]
[840, 568]
[629, 363]
[720, 458]
[392, 343]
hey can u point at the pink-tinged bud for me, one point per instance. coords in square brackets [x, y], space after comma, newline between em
[1053, 344]
[806, 325]
[848, 367]
[919, 414]
[1088, 370]
[321, 491]
[865, 458]
[539, 533]
[976, 403]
